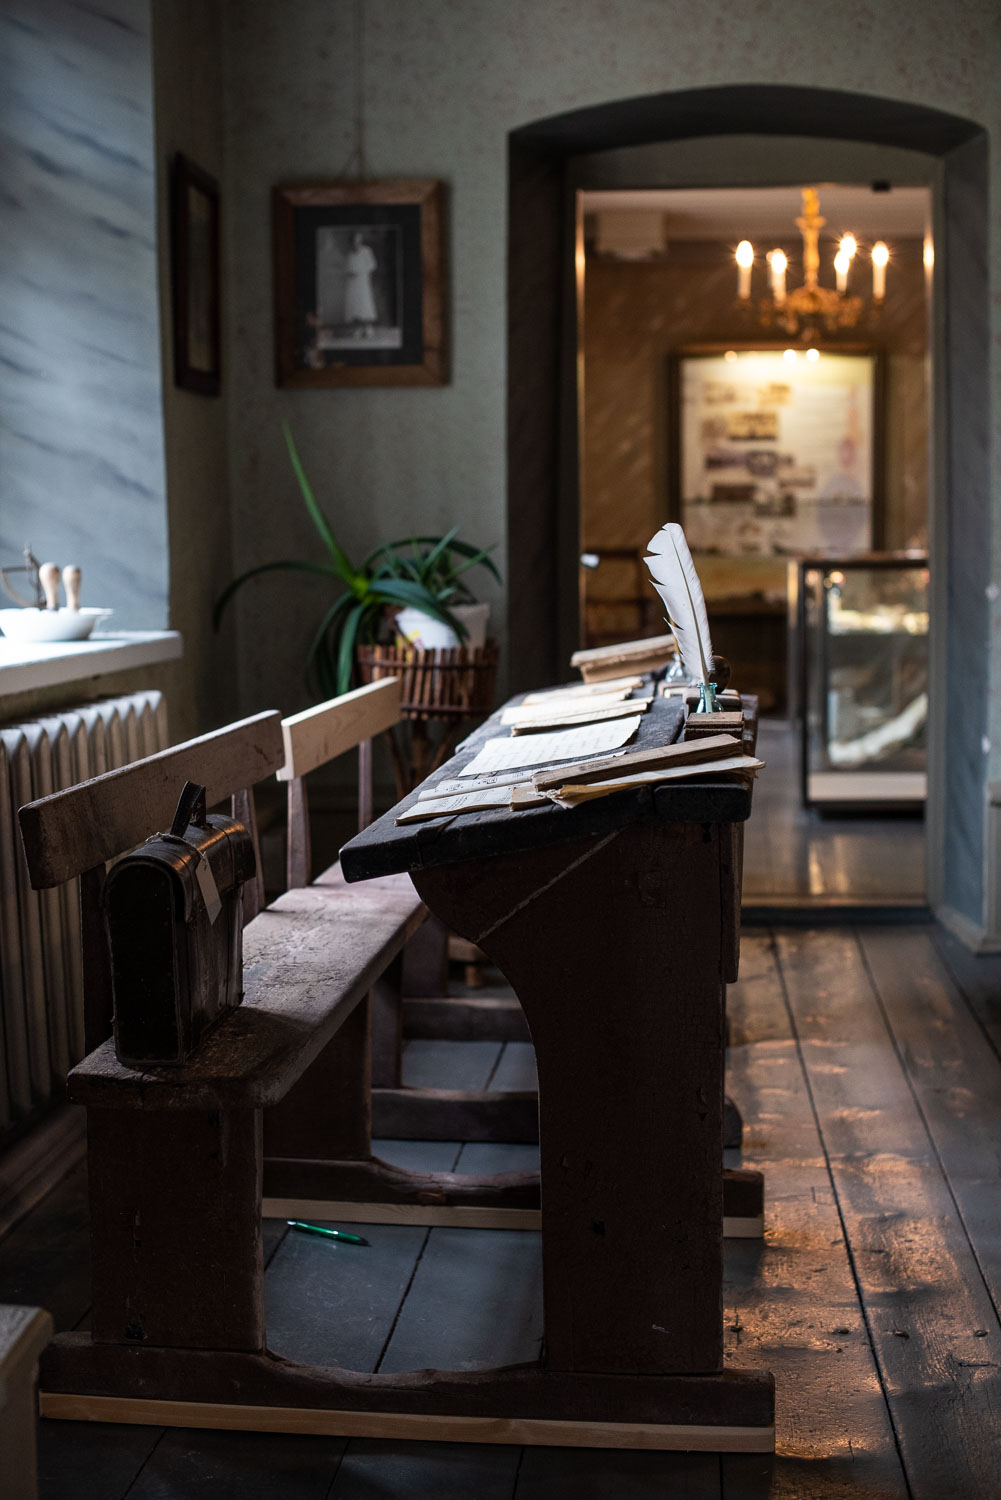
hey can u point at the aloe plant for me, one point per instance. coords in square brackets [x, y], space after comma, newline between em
[423, 572]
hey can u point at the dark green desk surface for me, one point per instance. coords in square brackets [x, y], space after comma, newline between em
[386, 847]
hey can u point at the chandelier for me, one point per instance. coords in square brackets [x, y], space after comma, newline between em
[811, 309]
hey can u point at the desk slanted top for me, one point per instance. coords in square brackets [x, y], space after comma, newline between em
[387, 847]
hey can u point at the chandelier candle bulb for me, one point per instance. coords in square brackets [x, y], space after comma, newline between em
[880, 257]
[777, 261]
[841, 265]
[745, 260]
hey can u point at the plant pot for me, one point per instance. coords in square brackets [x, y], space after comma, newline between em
[427, 634]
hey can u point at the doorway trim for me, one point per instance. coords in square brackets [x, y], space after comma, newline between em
[543, 479]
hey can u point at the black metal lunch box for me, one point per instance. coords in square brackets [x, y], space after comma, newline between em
[173, 913]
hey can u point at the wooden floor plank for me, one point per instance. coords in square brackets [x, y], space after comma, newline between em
[45, 1260]
[331, 1303]
[425, 1471]
[516, 1067]
[476, 1301]
[791, 1304]
[87, 1461]
[600, 1474]
[957, 1079]
[449, 1065]
[924, 1298]
[237, 1466]
[476, 1297]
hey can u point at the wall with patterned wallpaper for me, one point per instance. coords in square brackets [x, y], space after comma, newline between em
[81, 438]
[444, 83]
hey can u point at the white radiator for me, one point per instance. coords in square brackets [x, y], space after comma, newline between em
[41, 973]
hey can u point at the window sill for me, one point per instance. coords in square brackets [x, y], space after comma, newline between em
[25, 666]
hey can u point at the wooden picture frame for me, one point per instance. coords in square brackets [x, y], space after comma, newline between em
[197, 296]
[359, 284]
[761, 477]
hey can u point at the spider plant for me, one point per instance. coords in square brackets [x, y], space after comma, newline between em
[423, 572]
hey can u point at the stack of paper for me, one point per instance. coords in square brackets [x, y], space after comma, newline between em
[510, 752]
[714, 755]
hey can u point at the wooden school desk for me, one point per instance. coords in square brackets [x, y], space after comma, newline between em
[617, 924]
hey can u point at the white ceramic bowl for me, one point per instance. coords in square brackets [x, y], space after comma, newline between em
[50, 624]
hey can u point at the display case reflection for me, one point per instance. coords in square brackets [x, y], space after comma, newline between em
[861, 640]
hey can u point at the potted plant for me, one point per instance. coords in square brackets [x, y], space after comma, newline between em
[423, 574]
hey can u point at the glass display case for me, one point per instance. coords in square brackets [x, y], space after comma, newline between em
[859, 670]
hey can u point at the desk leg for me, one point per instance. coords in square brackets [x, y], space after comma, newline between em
[615, 948]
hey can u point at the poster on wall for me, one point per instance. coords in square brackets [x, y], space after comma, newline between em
[776, 452]
[359, 284]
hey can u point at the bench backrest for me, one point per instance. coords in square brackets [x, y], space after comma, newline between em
[318, 735]
[77, 831]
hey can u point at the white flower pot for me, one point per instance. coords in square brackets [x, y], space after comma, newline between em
[427, 634]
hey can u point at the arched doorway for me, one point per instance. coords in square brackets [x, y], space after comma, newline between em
[542, 438]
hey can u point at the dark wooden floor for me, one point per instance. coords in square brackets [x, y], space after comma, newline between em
[867, 1064]
[793, 854]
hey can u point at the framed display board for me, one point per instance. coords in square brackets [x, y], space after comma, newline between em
[776, 452]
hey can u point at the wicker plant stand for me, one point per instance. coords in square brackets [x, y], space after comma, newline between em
[445, 688]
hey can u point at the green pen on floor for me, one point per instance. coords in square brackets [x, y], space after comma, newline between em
[333, 1234]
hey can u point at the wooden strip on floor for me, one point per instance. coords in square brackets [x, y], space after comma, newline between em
[924, 1298]
[791, 1304]
[406, 1425]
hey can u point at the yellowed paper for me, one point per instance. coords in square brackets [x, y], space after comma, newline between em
[508, 753]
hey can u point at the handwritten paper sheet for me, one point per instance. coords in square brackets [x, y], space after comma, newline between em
[509, 753]
[474, 784]
[479, 800]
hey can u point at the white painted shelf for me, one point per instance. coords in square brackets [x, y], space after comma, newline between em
[25, 666]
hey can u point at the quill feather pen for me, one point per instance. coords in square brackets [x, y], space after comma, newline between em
[676, 581]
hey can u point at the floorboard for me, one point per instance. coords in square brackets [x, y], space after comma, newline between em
[237, 1466]
[466, 1065]
[791, 1302]
[955, 1080]
[931, 1320]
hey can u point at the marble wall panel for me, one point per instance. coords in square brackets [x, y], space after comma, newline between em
[81, 441]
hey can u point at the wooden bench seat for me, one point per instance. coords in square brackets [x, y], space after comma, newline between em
[308, 961]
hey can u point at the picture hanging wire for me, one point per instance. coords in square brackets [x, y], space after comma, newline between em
[356, 157]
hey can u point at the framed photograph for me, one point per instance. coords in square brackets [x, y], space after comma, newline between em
[359, 284]
[774, 453]
[196, 288]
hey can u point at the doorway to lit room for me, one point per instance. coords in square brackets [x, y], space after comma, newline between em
[780, 411]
